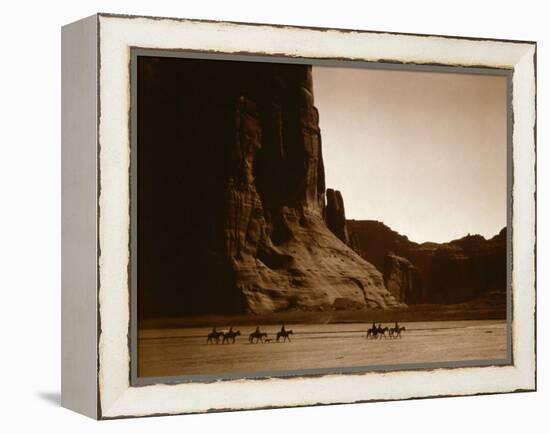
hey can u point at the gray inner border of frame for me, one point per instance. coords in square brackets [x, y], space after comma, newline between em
[135, 52]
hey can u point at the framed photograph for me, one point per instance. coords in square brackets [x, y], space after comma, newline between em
[261, 216]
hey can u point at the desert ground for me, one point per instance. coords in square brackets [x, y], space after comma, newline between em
[184, 350]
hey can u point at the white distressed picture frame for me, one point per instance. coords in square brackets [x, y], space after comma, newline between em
[96, 218]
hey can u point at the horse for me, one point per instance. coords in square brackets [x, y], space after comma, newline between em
[230, 336]
[258, 336]
[285, 334]
[382, 331]
[214, 336]
[396, 331]
[372, 333]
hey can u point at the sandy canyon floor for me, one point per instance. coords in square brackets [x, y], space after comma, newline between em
[184, 351]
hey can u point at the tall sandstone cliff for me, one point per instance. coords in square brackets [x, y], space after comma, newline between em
[231, 159]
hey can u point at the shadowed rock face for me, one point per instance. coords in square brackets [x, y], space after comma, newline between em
[453, 272]
[233, 181]
[402, 278]
[335, 215]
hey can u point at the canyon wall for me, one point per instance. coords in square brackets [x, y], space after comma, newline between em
[458, 271]
[231, 211]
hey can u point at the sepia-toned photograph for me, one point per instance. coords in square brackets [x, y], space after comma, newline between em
[295, 219]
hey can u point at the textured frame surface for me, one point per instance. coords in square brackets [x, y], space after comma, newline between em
[79, 242]
[116, 37]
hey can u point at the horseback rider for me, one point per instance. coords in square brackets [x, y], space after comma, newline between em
[214, 336]
[257, 330]
[283, 329]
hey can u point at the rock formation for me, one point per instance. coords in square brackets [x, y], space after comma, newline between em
[467, 268]
[453, 272]
[402, 278]
[335, 215]
[233, 181]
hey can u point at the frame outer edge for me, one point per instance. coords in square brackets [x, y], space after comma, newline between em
[79, 97]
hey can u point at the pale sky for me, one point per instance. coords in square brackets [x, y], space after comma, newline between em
[425, 153]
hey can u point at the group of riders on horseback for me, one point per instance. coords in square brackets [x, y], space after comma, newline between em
[378, 331]
[227, 337]
[256, 337]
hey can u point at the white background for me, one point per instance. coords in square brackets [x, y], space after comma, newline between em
[30, 217]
